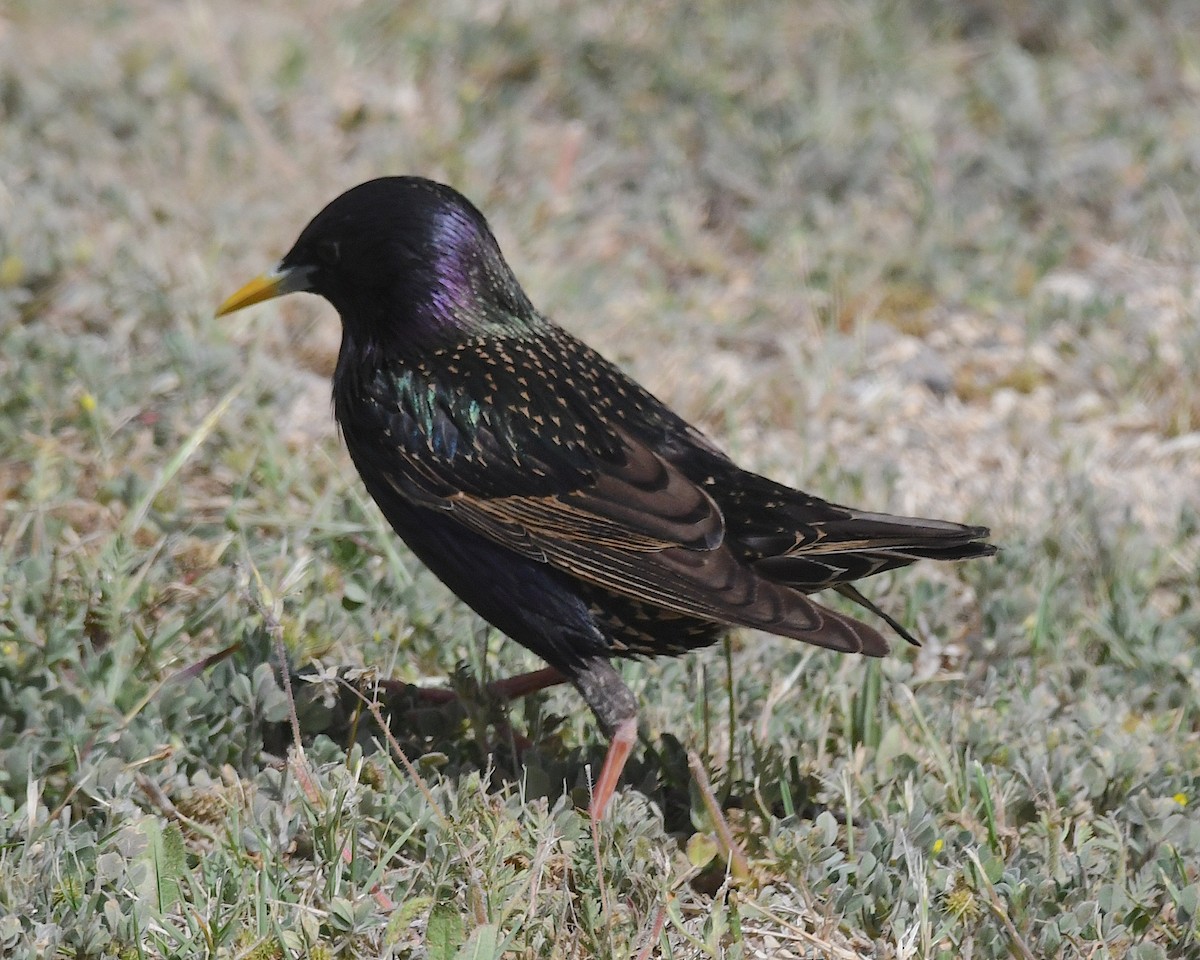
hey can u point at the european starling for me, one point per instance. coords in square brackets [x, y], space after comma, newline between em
[553, 494]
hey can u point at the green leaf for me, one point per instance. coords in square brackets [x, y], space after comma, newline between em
[165, 858]
[484, 944]
[354, 595]
[341, 914]
[445, 931]
[701, 849]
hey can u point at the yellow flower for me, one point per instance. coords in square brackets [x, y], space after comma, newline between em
[1181, 799]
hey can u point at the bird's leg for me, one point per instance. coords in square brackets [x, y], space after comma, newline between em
[616, 710]
[602, 688]
[619, 748]
[524, 684]
[510, 688]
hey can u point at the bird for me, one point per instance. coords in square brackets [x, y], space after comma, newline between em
[552, 493]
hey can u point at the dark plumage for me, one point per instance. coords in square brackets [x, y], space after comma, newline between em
[551, 492]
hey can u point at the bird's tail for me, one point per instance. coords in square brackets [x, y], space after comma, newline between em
[864, 544]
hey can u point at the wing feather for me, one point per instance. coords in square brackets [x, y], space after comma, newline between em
[644, 530]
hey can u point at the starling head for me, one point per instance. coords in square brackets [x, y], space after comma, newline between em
[402, 259]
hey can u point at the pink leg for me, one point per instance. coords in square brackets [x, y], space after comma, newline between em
[510, 688]
[623, 739]
[524, 684]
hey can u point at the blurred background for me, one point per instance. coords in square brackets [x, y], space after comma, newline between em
[932, 258]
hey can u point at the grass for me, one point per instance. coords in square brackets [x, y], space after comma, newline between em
[935, 259]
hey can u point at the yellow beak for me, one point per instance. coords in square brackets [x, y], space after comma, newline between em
[279, 281]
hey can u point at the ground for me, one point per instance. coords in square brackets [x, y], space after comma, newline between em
[934, 258]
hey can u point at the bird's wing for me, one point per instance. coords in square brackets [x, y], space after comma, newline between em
[595, 491]
[637, 526]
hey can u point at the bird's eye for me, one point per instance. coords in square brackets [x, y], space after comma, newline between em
[329, 252]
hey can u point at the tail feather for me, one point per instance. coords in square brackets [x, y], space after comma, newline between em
[851, 592]
[864, 544]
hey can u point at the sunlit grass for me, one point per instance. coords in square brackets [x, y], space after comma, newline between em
[937, 260]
